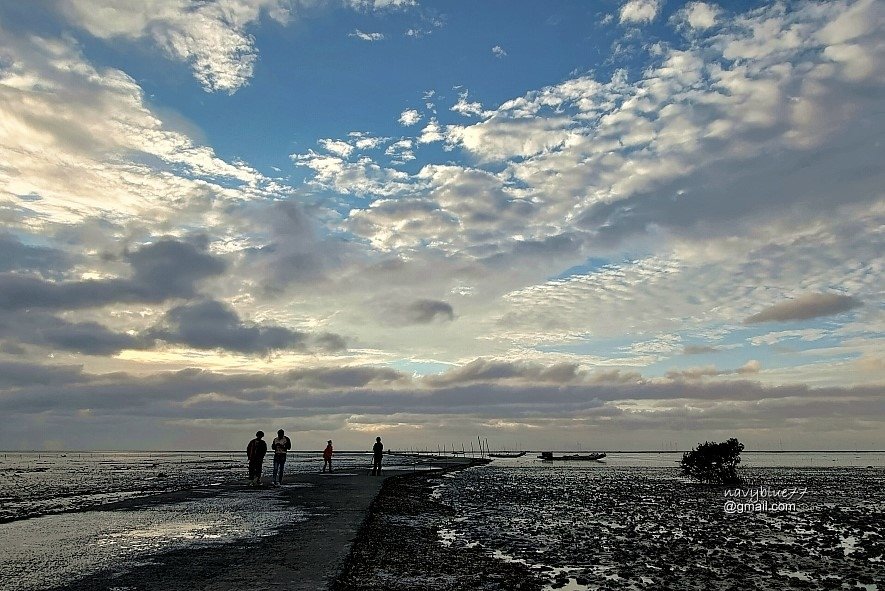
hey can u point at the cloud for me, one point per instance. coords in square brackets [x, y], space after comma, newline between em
[380, 4]
[422, 311]
[432, 132]
[699, 349]
[53, 333]
[337, 147]
[640, 11]
[15, 256]
[210, 36]
[363, 177]
[697, 16]
[161, 270]
[15, 374]
[469, 109]
[366, 36]
[210, 324]
[401, 150]
[805, 307]
[696, 373]
[502, 138]
[76, 165]
[409, 117]
[494, 371]
[499, 52]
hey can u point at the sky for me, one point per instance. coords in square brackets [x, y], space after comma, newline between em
[623, 224]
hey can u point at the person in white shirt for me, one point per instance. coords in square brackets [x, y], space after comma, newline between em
[280, 445]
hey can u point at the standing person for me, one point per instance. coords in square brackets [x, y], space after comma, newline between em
[327, 456]
[255, 452]
[377, 453]
[281, 444]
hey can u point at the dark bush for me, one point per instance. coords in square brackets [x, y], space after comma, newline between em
[714, 462]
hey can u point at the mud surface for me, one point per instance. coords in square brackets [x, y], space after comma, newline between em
[400, 547]
[645, 528]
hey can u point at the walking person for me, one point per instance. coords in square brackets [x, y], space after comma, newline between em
[280, 445]
[255, 451]
[377, 454]
[327, 456]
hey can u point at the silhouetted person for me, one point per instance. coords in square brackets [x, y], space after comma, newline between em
[255, 452]
[280, 445]
[327, 456]
[377, 453]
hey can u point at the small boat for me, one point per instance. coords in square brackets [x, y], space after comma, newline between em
[507, 455]
[548, 456]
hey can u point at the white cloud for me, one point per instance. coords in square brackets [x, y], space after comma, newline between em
[363, 177]
[337, 147]
[697, 15]
[366, 36]
[499, 52]
[62, 147]
[432, 132]
[501, 138]
[469, 109]
[364, 141]
[640, 11]
[401, 150]
[211, 36]
[409, 117]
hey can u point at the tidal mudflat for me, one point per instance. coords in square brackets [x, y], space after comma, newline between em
[803, 521]
[601, 527]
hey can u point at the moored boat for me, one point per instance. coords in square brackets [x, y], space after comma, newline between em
[507, 454]
[548, 456]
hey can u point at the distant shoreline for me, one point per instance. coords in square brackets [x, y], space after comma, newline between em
[428, 453]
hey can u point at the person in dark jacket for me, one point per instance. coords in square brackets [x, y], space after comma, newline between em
[327, 456]
[256, 451]
[377, 454]
[281, 444]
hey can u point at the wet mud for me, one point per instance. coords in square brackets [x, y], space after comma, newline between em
[400, 547]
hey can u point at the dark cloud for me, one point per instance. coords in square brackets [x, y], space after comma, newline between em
[160, 271]
[12, 349]
[488, 370]
[89, 338]
[13, 375]
[210, 324]
[376, 394]
[170, 268]
[425, 311]
[207, 324]
[297, 254]
[17, 256]
[696, 373]
[804, 307]
[421, 311]
[46, 330]
[699, 349]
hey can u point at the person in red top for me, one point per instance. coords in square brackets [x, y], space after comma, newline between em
[327, 456]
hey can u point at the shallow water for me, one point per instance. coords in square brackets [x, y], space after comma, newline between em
[615, 525]
[52, 550]
[34, 484]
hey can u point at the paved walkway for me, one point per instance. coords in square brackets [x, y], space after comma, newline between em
[311, 553]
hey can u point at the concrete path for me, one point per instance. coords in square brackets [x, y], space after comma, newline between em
[309, 555]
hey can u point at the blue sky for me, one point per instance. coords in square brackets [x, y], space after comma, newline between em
[619, 222]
